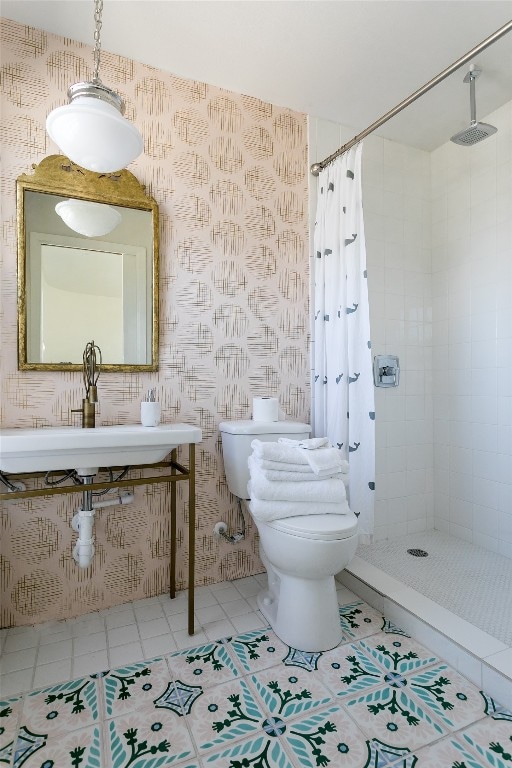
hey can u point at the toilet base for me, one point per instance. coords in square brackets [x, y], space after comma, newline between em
[304, 613]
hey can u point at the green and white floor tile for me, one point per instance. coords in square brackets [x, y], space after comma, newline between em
[379, 700]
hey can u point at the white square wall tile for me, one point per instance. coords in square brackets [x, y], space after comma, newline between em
[415, 481]
[416, 526]
[504, 439]
[219, 629]
[249, 621]
[149, 611]
[17, 682]
[56, 672]
[17, 660]
[484, 381]
[183, 640]
[238, 607]
[484, 354]
[143, 602]
[176, 605]
[486, 465]
[90, 644]
[153, 628]
[123, 635]
[505, 524]
[178, 621]
[57, 636]
[86, 625]
[398, 510]
[159, 645]
[396, 433]
[327, 137]
[90, 663]
[62, 649]
[503, 380]
[396, 484]
[204, 599]
[486, 493]
[210, 613]
[125, 654]
[227, 593]
[485, 437]
[19, 641]
[120, 618]
[248, 586]
[485, 522]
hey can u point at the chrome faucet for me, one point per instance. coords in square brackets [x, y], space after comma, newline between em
[91, 372]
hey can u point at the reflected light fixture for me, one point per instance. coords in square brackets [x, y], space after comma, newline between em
[87, 218]
[91, 130]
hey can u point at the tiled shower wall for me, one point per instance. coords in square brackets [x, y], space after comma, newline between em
[229, 174]
[472, 333]
[442, 301]
[396, 201]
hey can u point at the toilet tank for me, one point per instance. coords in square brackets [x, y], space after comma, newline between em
[237, 437]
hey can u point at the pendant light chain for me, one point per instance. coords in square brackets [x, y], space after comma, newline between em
[98, 10]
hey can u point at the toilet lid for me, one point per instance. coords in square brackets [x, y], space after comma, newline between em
[250, 427]
[327, 527]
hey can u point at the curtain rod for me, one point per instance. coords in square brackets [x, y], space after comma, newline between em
[317, 167]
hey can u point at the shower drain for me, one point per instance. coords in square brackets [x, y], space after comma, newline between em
[417, 552]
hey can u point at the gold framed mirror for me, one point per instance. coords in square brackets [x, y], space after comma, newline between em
[88, 253]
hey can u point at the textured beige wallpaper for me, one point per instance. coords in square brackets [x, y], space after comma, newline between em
[229, 173]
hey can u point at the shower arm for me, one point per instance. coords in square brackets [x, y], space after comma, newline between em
[470, 78]
[317, 167]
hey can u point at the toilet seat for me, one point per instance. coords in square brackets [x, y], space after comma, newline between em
[325, 527]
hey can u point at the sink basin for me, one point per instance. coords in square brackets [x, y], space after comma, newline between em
[48, 448]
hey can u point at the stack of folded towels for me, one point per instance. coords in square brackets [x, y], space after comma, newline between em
[296, 477]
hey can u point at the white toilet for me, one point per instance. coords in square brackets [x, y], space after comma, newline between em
[301, 554]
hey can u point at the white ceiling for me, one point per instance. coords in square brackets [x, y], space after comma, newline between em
[349, 61]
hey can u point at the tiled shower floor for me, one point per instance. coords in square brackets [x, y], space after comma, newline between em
[121, 689]
[472, 582]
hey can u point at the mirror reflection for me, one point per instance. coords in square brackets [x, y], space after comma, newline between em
[75, 287]
[88, 219]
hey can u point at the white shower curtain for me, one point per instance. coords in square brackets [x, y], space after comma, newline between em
[343, 398]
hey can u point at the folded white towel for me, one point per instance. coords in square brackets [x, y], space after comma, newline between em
[265, 511]
[329, 490]
[283, 466]
[301, 477]
[279, 452]
[311, 444]
[283, 475]
[324, 460]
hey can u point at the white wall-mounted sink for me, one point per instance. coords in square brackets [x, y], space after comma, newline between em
[50, 448]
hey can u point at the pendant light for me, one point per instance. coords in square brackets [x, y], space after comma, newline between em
[87, 218]
[91, 130]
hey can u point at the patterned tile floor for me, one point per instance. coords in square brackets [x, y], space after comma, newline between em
[379, 700]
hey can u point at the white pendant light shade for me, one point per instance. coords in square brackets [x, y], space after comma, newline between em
[89, 219]
[91, 130]
[94, 135]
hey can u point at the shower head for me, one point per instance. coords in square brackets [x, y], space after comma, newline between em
[476, 131]
[472, 135]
